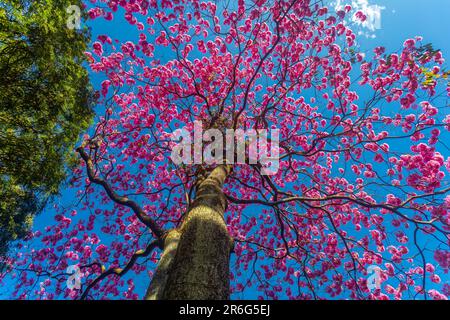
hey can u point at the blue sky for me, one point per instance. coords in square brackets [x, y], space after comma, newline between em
[403, 19]
[400, 19]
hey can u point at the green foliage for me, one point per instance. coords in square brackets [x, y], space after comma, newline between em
[45, 103]
[431, 77]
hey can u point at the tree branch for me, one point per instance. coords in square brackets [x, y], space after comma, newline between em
[141, 215]
[118, 271]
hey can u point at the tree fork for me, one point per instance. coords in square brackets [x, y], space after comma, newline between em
[199, 269]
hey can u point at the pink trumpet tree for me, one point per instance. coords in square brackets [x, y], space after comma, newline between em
[361, 184]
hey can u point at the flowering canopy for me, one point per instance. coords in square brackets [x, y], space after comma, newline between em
[361, 182]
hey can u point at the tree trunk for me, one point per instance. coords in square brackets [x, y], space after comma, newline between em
[156, 288]
[199, 269]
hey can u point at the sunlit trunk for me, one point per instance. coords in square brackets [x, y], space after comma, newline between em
[196, 265]
[156, 289]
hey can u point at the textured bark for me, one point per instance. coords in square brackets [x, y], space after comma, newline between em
[156, 289]
[200, 268]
